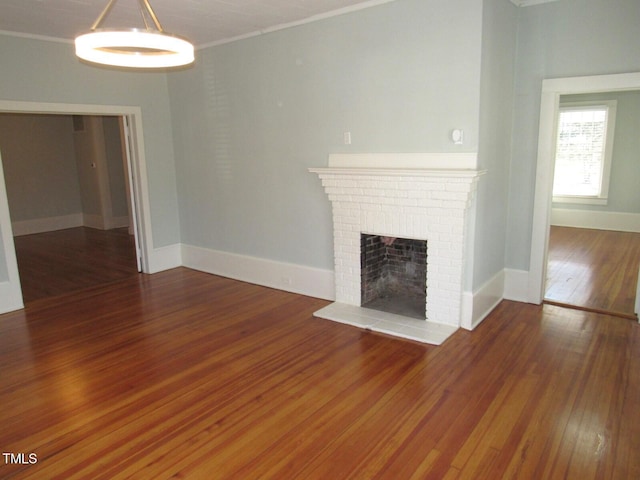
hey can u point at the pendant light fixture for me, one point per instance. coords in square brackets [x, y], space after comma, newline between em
[150, 47]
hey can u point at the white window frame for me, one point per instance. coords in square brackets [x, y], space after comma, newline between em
[611, 107]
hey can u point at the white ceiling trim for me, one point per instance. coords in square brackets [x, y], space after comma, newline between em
[36, 37]
[529, 3]
[314, 18]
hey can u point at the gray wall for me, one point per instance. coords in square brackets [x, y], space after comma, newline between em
[559, 39]
[89, 146]
[624, 194]
[115, 166]
[39, 166]
[255, 114]
[101, 170]
[499, 30]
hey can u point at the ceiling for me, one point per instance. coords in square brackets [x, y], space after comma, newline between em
[204, 22]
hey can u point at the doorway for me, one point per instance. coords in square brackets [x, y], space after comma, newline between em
[66, 180]
[543, 211]
[135, 174]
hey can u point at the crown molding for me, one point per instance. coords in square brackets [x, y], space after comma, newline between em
[529, 3]
[32, 36]
[282, 26]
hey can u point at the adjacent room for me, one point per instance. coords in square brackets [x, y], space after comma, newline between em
[320, 239]
[594, 243]
[68, 196]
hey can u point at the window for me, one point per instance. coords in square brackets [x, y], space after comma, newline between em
[583, 152]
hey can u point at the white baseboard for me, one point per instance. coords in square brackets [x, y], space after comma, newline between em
[507, 284]
[314, 282]
[165, 258]
[618, 221]
[636, 309]
[104, 223]
[477, 305]
[10, 297]
[51, 224]
[40, 225]
[93, 221]
[117, 222]
[516, 285]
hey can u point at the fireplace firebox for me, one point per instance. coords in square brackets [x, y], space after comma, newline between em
[394, 275]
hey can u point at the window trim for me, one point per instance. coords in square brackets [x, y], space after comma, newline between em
[611, 106]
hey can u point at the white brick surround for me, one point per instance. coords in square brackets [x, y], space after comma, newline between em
[416, 202]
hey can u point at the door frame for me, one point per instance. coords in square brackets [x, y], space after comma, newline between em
[552, 89]
[137, 174]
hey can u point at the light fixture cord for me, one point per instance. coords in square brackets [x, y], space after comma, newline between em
[145, 6]
[104, 13]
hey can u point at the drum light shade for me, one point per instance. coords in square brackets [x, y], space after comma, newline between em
[134, 48]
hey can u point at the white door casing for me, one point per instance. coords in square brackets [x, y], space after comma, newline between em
[10, 293]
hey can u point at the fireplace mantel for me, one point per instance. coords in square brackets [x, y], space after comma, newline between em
[425, 196]
[461, 165]
[404, 161]
[398, 172]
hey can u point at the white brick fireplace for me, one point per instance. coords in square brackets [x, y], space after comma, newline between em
[416, 196]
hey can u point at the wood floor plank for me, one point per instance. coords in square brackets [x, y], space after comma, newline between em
[593, 269]
[182, 374]
[58, 262]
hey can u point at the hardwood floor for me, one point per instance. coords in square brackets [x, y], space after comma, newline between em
[182, 374]
[63, 261]
[594, 269]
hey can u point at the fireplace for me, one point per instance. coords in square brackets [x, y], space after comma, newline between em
[426, 197]
[393, 274]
